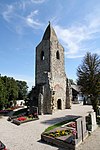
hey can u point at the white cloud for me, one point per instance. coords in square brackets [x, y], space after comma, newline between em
[71, 38]
[26, 3]
[30, 21]
[38, 1]
[7, 14]
[75, 37]
[19, 21]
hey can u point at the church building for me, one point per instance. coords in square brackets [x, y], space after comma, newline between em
[52, 90]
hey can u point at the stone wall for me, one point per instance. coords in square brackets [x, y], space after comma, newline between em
[50, 73]
[42, 66]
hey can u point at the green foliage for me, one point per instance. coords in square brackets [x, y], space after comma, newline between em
[10, 90]
[22, 89]
[72, 82]
[89, 77]
[2, 94]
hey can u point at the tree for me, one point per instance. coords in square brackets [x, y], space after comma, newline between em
[72, 82]
[10, 90]
[89, 78]
[22, 89]
[3, 94]
[13, 90]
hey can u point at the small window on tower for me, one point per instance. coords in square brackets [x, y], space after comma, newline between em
[42, 55]
[57, 55]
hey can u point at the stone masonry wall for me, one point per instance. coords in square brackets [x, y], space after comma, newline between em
[50, 72]
[42, 66]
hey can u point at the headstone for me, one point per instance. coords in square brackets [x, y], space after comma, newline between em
[33, 110]
[84, 130]
[99, 111]
[93, 121]
[93, 118]
[81, 129]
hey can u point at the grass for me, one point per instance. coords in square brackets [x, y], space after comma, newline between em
[58, 124]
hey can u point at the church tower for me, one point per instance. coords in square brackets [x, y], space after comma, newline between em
[50, 78]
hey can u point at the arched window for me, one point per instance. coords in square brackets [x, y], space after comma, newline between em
[57, 55]
[42, 55]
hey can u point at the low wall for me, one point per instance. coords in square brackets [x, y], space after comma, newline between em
[57, 142]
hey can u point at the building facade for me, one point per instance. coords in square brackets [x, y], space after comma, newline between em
[52, 90]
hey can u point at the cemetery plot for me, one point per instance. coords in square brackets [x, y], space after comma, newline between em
[5, 112]
[23, 116]
[68, 134]
[24, 119]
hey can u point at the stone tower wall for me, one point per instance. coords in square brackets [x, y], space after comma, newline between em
[50, 73]
[42, 66]
[57, 65]
[58, 76]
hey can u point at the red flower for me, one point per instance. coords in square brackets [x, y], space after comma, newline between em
[74, 132]
[21, 118]
[73, 125]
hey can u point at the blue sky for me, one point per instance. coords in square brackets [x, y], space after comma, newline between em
[23, 22]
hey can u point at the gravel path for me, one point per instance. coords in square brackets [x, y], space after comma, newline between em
[92, 142]
[27, 136]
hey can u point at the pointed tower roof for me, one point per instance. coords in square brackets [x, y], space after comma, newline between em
[49, 33]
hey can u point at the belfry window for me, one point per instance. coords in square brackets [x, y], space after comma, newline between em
[57, 55]
[42, 55]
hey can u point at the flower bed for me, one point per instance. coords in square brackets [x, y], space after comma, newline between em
[5, 112]
[64, 141]
[58, 133]
[63, 135]
[66, 134]
[24, 119]
[72, 125]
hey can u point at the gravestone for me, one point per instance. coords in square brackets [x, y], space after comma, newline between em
[81, 130]
[33, 110]
[94, 123]
[93, 120]
[99, 111]
[85, 132]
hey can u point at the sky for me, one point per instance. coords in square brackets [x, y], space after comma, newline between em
[22, 25]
